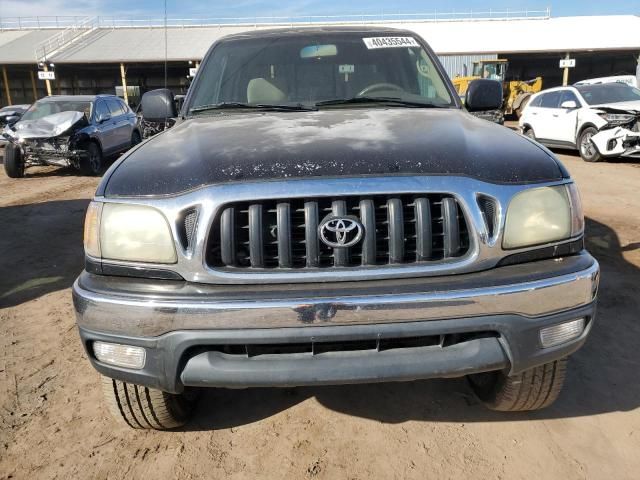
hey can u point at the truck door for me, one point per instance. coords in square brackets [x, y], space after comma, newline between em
[543, 125]
[565, 118]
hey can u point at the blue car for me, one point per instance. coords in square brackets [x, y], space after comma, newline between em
[70, 130]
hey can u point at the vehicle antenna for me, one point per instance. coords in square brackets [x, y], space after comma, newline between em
[166, 120]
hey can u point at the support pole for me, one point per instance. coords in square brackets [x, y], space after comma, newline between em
[123, 76]
[46, 69]
[565, 74]
[33, 86]
[6, 85]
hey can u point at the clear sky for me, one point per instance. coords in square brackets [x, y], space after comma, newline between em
[248, 8]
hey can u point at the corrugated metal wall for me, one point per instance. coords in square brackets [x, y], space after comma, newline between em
[455, 64]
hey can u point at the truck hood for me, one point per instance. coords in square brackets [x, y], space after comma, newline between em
[47, 127]
[252, 146]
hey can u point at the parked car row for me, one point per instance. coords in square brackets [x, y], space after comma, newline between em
[600, 120]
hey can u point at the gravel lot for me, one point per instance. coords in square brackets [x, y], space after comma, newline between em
[53, 423]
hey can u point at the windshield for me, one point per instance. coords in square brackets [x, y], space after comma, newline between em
[609, 93]
[490, 70]
[43, 108]
[307, 70]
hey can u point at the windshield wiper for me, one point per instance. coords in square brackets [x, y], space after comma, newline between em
[253, 106]
[394, 101]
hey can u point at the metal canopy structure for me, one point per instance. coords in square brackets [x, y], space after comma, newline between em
[100, 40]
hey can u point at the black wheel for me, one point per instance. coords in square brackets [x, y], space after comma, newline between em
[91, 164]
[144, 408]
[135, 138]
[13, 164]
[530, 133]
[588, 150]
[532, 389]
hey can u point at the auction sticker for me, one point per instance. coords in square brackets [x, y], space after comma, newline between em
[390, 42]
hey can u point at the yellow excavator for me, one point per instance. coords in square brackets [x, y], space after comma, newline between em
[517, 93]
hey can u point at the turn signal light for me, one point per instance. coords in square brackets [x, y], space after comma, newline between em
[561, 333]
[125, 356]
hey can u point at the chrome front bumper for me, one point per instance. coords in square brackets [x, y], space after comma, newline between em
[152, 308]
[171, 319]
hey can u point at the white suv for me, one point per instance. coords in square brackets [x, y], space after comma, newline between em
[601, 121]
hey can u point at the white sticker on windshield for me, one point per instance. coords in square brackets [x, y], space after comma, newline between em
[346, 68]
[390, 42]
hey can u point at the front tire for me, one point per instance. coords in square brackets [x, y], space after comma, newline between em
[530, 133]
[135, 138]
[13, 164]
[92, 164]
[532, 389]
[588, 150]
[140, 407]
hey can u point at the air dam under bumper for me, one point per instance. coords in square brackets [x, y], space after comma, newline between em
[195, 335]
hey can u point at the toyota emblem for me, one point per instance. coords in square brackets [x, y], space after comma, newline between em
[341, 232]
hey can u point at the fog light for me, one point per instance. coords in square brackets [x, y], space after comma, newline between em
[120, 355]
[561, 333]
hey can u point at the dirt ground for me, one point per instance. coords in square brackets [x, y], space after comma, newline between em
[53, 423]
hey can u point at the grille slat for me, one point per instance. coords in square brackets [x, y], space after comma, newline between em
[340, 255]
[283, 234]
[450, 226]
[227, 236]
[424, 233]
[368, 219]
[311, 240]
[396, 230]
[256, 242]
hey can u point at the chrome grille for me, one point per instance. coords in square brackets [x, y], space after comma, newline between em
[283, 234]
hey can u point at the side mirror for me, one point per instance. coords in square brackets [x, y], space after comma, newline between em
[10, 120]
[104, 117]
[569, 105]
[158, 105]
[484, 94]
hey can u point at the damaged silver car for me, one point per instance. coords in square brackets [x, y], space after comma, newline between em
[77, 131]
[601, 121]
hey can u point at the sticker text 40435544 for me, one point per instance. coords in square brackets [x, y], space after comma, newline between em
[390, 42]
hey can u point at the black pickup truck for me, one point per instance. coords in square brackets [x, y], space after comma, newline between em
[326, 211]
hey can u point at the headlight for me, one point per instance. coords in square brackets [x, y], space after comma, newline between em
[543, 215]
[128, 232]
[618, 118]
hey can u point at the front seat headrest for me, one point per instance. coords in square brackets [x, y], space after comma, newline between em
[260, 90]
